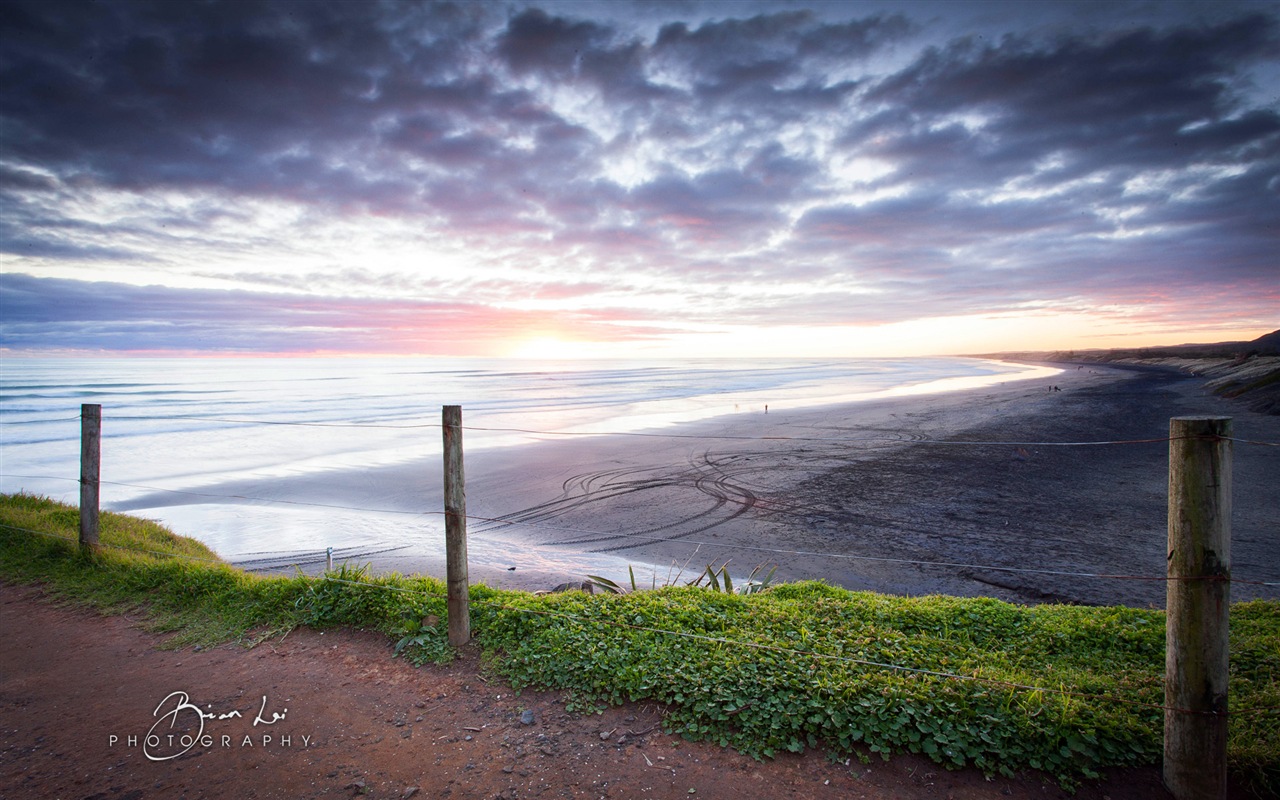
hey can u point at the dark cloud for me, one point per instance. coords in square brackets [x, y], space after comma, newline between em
[977, 112]
[897, 163]
[772, 48]
[537, 42]
[936, 218]
[15, 243]
[263, 98]
[24, 180]
[771, 65]
[724, 205]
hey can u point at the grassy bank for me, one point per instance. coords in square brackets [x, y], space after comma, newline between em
[1065, 689]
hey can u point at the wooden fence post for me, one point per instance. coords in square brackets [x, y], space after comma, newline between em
[455, 529]
[90, 466]
[1197, 607]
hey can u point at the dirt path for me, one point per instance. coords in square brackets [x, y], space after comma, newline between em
[79, 693]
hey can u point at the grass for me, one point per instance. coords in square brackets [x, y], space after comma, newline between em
[1064, 689]
[1233, 389]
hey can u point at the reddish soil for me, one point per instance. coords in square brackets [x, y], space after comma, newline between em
[78, 694]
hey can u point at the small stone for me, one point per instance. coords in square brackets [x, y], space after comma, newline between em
[409, 791]
[467, 738]
[526, 717]
[604, 736]
[508, 769]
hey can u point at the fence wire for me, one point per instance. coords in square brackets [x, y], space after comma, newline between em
[658, 435]
[642, 537]
[498, 521]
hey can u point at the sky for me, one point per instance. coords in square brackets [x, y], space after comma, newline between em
[634, 179]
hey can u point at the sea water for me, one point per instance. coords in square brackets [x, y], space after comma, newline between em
[189, 441]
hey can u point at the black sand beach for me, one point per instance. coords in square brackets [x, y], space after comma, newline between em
[857, 494]
[910, 495]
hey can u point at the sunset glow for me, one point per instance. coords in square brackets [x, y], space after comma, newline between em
[577, 179]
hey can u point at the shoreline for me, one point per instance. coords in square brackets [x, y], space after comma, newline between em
[873, 494]
[856, 493]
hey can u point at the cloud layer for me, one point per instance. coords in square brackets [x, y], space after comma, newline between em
[320, 176]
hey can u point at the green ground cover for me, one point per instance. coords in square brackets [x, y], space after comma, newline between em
[968, 682]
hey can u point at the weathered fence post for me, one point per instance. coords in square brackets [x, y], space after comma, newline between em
[1197, 606]
[328, 559]
[90, 465]
[455, 529]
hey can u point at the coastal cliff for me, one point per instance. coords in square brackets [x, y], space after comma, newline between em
[1253, 380]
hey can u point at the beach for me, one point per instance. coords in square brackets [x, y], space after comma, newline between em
[977, 492]
[859, 473]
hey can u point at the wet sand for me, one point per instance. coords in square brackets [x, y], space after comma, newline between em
[858, 494]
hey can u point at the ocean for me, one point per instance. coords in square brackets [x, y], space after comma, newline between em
[203, 444]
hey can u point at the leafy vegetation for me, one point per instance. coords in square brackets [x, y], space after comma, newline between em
[1064, 689]
[182, 588]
